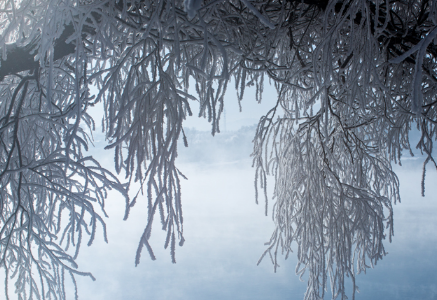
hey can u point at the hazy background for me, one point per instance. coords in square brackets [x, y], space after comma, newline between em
[225, 230]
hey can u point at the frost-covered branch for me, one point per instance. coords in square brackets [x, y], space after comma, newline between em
[353, 78]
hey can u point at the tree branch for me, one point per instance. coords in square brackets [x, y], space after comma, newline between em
[21, 59]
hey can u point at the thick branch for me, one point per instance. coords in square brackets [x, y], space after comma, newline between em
[21, 59]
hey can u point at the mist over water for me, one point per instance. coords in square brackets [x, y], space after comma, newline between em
[223, 227]
[225, 232]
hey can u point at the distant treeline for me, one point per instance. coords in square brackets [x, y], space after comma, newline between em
[203, 148]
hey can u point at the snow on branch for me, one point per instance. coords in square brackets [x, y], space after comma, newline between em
[352, 78]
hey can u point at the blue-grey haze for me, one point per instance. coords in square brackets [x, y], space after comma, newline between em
[225, 231]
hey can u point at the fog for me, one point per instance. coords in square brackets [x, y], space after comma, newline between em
[225, 233]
